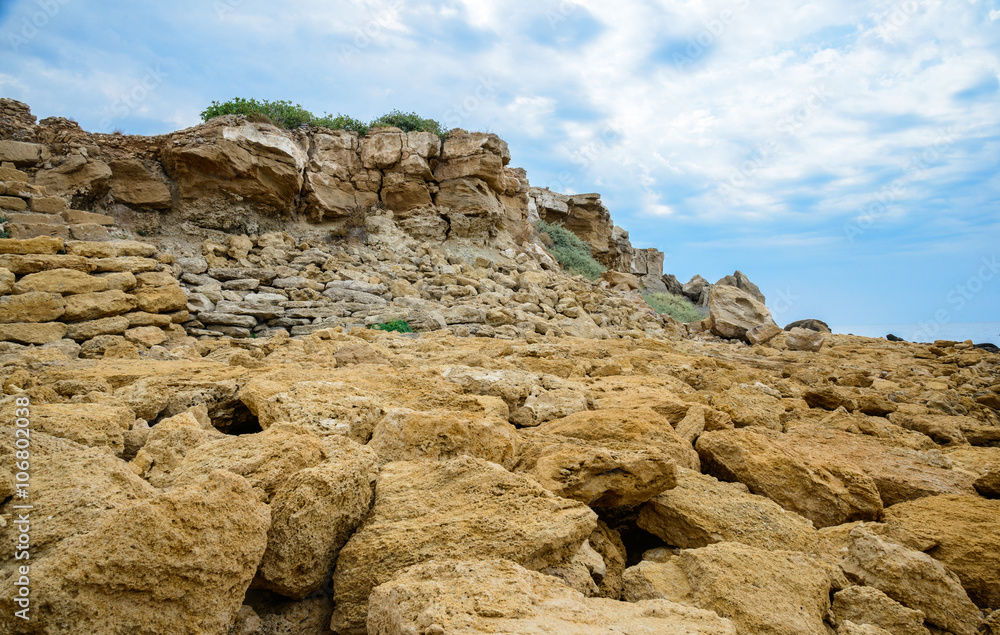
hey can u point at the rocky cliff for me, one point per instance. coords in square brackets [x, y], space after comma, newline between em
[198, 433]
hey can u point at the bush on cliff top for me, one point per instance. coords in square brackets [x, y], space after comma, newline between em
[676, 306]
[284, 114]
[572, 254]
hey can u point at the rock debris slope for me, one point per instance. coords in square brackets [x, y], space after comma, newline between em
[220, 446]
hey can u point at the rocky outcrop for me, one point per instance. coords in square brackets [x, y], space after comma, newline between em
[587, 217]
[733, 312]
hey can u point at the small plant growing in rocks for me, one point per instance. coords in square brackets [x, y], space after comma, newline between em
[4, 232]
[396, 326]
[676, 306]
[572, 253]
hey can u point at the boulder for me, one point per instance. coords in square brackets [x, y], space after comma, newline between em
[760, 591]
[406, 435]
[161, 299]
[92, 306]
[804, 340]
[313, 513]
[62, 281]
[463, 508]
[742, 282]
[825, 493]
[967, 533]
[90, 424]
[31, 307]
[32, 333]
[694, 288]
[499, 596]
[763, 333]
[734, 312]
[811, 324]
[672, 284]
[82, 331]
[701, 511]
[175, 563]
[868, 605]
[913, 579]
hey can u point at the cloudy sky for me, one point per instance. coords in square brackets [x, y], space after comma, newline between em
[844, 154]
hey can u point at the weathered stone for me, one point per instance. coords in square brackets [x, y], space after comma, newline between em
[22, 154]
[214, 317]
[742, 282]
[134, 264]
[734, 312]
[763, 333]
[701, 511]
[133, 184]
[826, 494]
[77, 177]
[48, 204]
[32, 333]
[62, 281]
[23, 264]
[160, 299]
[967, 532]
[868, 605]
[29, 230]
[13, 204]
[913, 579]
[493, 596]
[767, 592]
[81, 331]
[463, 508]
[313, 514]
[145, 336]
[42, 245]
[804, 340]
[116, 249]
[407, 435]
[80, 217]
[91, 306]
[178, 562]
[33, 306]
[89, 424]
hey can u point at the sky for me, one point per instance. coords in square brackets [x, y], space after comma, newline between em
[845, 155]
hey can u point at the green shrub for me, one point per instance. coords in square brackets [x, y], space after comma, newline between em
[676, 306]
[572, 254]
[408, 122]
[287, 115]
[396, 326]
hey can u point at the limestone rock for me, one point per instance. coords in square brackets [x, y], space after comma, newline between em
[77, 177]
[763, 333]
[266, 459]
[812, 324]
[313, 513]
[734, 312]
[751, 407]
[804, 340]
[868, 605]
[176, 563]
[967, 531]
[62, 281]
[772, 592]
[133, 184]
[494, 596]
[825, 493]
[90, 424]
[463, 508]
[913, 579]
[407, 435]
[160, 299]
[82, 331]
[43, 245]
[701, 511]
[74, 488]
[742, 282]
[92, 306]
[33, 306]
[37, 333]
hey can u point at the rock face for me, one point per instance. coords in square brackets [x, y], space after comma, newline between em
[495, 596]
[590, 220]
[733, 312]
[463, 508]
[179, 562]
[760, 591]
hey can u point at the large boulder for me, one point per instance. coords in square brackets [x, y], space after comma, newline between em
[498, 596]
[868, 605]
[701, 511]
[179, 562]
[742, 282]
[733, 312]
[465, 508]
[967, 532]
[313, 513]
[762, 592]
[913, 579]
[230, 165]
[825, 493]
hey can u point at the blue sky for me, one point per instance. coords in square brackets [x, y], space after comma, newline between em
[844, 155]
